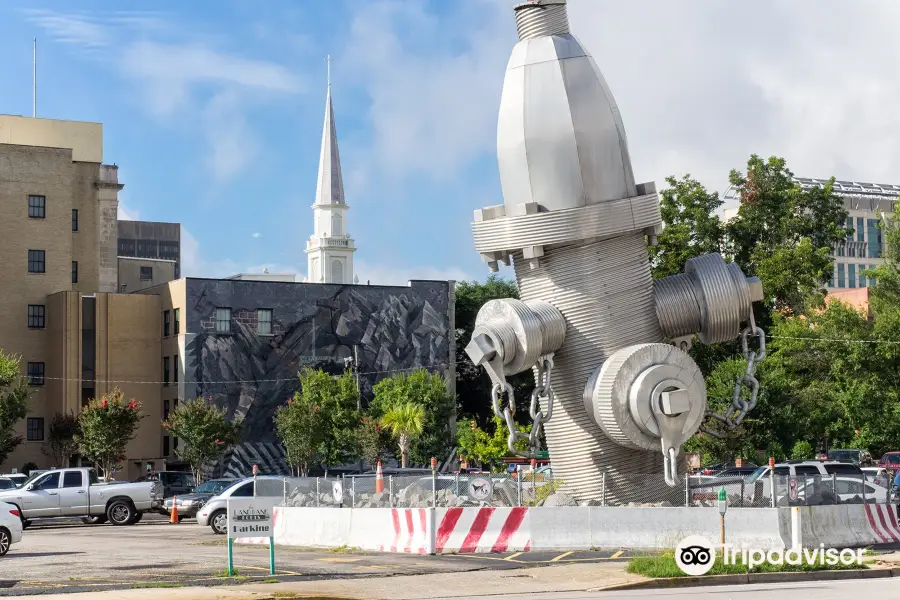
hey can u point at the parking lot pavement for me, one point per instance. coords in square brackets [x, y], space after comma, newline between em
[70, 557]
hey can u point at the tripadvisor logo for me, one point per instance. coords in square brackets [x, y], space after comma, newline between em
[695, 555]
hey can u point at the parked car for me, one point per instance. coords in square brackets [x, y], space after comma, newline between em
[7, 484]
[213, 512]
[856, 456]
[189, 504]
[758, 486]
[878, 476]
[174, 483]
[848, 489]
[890, 460]
[17, 478]
[10, 527]
[74, 493]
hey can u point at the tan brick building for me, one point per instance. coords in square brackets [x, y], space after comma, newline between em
[89, 308]
[59, 274]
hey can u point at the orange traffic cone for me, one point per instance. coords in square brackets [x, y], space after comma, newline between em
[379, 479]
[174, 517]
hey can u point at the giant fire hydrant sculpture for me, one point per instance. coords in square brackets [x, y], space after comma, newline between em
[614, 398]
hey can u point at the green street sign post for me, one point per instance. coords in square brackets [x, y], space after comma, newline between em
[723, 507]
[251, 518]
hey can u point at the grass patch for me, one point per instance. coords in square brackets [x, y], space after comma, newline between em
[663, 565]
[269, 581]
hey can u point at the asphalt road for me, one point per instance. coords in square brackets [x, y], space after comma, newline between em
[826, 590]
[71, 557]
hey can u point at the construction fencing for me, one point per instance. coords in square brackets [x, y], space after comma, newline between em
[542, 489]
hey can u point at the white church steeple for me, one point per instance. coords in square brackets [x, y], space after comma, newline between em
[330, 248]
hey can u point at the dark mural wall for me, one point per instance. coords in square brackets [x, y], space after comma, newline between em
[391, 329]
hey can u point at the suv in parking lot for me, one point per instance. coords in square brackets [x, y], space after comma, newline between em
[759, 484]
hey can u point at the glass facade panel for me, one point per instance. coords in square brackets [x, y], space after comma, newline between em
[842, 282]
[851, 275]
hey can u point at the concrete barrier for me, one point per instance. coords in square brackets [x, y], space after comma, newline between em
[404, 530]
[846, 525]
[580, 528]
[477, 530]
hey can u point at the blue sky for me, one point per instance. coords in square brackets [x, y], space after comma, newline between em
[213, 109]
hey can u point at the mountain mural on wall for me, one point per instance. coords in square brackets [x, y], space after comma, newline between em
[392, 329]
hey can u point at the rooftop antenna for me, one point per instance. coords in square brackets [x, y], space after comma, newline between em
[34, 79]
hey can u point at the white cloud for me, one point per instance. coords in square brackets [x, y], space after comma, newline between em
[256, 235]
[180, 83]
[701, 84]
[127, 214]
[195, 264]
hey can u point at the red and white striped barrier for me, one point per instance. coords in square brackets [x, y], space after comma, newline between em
[882, 520]
[469, 530]
[412, 531]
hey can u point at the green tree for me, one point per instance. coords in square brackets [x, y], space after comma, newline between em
[429, 391]
[337, 397]
[301, 427]
[373, 440]
[205, 433]
[692, 227]
[13, 403]
[473, 386]
[802, 450]
[406, 420]
[487, 448]
[61, 439]
[105, 427]
[785, 234]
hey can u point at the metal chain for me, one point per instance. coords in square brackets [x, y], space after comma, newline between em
[738, 404]
[542, 391]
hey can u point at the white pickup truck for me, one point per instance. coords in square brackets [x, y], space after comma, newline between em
[77, 493]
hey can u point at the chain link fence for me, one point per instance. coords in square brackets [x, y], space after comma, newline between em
[527, 488]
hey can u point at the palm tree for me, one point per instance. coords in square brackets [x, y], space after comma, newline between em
[404, 420]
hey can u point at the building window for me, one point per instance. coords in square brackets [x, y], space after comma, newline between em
[871, 279]
[74, 271]
[166, 323]
[336, 224]
[851, 275]
[841, 276]
[35, 429]
[831, 278]
[337, 271]
[177, 314]
[849, 228]
[165, 445]
[35, 373]
[74, 219]
[223, 320]
[264, 321]
[37, 207]
[165, 409]
[875, 246]
[175, 369]
[146, 273]
[37, 261]
[862, 276]
[35, 316]
[165, 370]
[860, 230]
[175, 444]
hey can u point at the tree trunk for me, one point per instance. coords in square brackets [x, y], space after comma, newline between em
[404, 450]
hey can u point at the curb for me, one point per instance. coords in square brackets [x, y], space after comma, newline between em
[748, 578]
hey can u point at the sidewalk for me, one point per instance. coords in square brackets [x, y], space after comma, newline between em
[563, 578]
